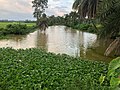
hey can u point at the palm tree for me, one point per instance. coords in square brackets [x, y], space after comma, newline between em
[109, 12]
[74, 16]
[110, 18]
[67, 19]
[86, 8]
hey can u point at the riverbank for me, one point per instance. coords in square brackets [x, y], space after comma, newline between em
[37, 69]
[82, 27]
[4, 26]
[86, 27]
[17, 28]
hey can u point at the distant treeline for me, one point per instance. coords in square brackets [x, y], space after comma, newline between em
[74, 21]
[25, 21]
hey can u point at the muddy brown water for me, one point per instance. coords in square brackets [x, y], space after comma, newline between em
[61, 39]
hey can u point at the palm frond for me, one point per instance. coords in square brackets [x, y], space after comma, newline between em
[86, 7]
[114, 46]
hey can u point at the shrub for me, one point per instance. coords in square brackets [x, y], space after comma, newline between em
[3, 31]
[91, 29]
[85, 26]
[16, 29]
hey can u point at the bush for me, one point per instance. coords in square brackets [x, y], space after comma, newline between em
[19, 29]
[85, 26]
[92, 30]
[3, 31]
[16, 29]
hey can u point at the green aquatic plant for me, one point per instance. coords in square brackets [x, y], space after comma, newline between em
[113, 74]
[35, 69]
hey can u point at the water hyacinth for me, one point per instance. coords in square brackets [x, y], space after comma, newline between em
[35, 69]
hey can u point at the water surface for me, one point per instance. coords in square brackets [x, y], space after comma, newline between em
[61, 39]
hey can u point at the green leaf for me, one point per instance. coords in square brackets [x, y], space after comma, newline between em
[114, 81]
[114, 64]
[101, 79]
[110, 73]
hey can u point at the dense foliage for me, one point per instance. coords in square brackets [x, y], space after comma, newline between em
[106, 10]
[52, 20]
[71, 20]
[85, 27]
[20, 29]
[110, 17]
[113, 73]
[34, 69]
[109, 14]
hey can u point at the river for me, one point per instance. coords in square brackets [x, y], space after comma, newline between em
[61, 39]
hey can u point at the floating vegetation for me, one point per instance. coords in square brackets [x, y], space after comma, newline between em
[35, 69]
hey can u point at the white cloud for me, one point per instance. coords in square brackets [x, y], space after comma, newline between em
[22, 9]
[59, 7]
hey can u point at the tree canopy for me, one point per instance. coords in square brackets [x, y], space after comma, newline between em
[39, 8]
[108, 11]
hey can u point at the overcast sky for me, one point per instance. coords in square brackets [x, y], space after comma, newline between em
[22, 9]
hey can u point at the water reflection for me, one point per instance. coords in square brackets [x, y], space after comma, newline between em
[61, 39]
[41, 40]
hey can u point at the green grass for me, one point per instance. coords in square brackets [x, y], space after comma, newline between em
[35, 69]
[17, 28]
[29, 24]
[4, 24]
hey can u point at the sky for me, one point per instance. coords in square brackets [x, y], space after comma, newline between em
[22, 9]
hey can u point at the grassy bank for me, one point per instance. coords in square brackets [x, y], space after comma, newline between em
[4, 24]
[19, 28]
[35, 69]
[83, 27]
[86, 27]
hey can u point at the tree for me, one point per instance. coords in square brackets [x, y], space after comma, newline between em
[39, 8]
[74, 17]
[110, 18]
[43, 22]
[86, 7]
[109, 14]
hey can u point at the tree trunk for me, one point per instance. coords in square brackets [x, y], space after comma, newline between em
[117, 51]
[114, 46]
[37, 21]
